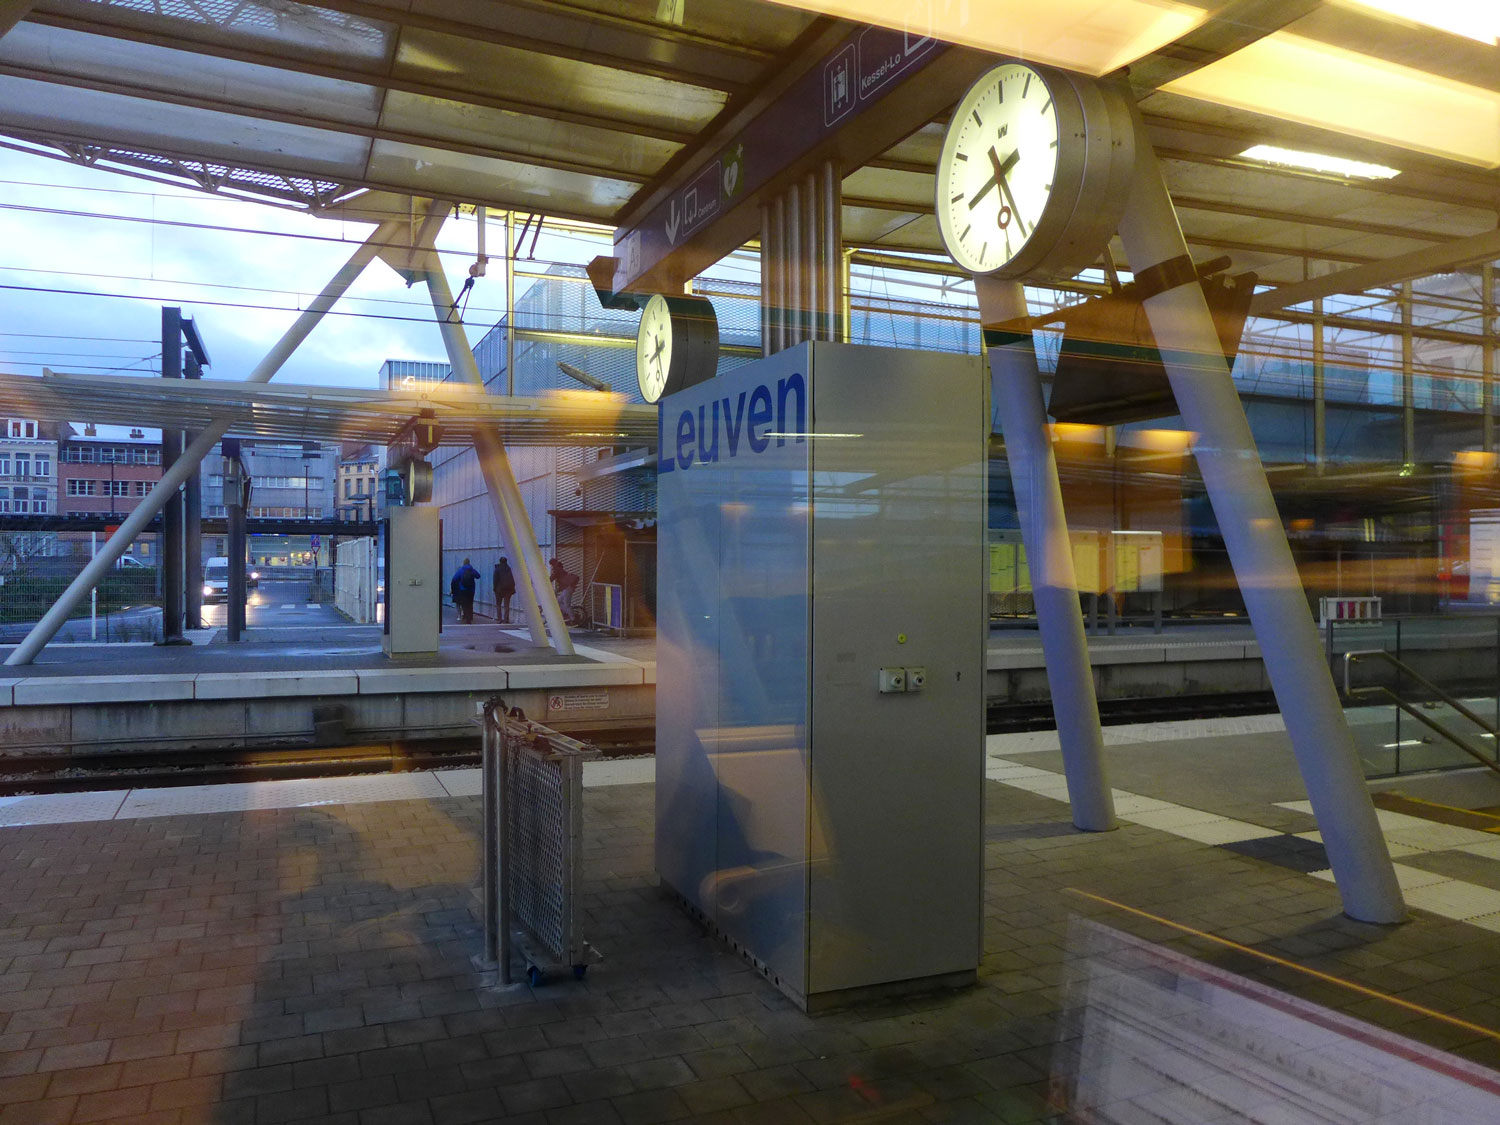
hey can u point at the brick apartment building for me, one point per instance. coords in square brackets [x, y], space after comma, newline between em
[106, 470]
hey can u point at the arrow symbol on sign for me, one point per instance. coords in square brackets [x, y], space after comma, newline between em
[673, 223]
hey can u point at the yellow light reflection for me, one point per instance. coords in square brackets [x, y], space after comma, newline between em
[1092, 36]
[1158, 441]
[1298, 79]
[1473, 19]
[1475, 461]
[1078, 431]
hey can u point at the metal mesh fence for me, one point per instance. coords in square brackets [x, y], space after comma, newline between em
[126, 606]
[539, 838]
[533, 808]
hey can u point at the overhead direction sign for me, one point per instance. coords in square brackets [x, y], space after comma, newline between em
[840, 107]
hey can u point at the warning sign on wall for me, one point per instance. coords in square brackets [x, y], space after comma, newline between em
[579, 701]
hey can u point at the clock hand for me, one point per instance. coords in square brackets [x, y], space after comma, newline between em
[1002, 167]
[983, 191]
[1000, 170]
[997, 178]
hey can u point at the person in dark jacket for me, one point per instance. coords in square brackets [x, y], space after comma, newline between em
[465, 579]
[565, 582]
[504, 583]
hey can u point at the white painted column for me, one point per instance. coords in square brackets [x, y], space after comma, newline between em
[532, 582]
[1017, 391]
[187, 464]
[1257, 546]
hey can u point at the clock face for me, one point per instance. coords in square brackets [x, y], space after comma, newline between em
[999, 161]
[653, 348]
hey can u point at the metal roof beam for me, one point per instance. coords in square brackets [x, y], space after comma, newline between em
[1482, 200]
[1234, 26]
[1300, 253]
[331, 125]
[459, 95]
[1420, 263]
[575, 35]
[1359, 226]
[60, 140]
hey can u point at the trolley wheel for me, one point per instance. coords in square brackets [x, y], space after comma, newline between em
[533, 976]
[580, 971]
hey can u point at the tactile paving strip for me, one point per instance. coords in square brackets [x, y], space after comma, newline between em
[190, 799]
[58, 808]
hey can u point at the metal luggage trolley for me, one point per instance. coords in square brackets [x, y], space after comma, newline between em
[533, 833]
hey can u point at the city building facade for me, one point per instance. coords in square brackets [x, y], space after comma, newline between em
[106, 471]
[358, 482]
[28, 455]
[289, 481]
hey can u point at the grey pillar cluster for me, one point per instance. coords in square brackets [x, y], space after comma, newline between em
[1258, 549]
[801, 262]
[1017, 392]
[174, 477]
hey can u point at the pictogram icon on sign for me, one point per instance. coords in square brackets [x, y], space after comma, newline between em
[554, 703]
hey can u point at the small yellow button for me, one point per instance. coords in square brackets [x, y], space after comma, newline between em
[900, 638]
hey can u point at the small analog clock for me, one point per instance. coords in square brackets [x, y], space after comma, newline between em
[677, 345]
[1033, 172]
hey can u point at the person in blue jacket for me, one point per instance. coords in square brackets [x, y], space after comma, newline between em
[465, 579]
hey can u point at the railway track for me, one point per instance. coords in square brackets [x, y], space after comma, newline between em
[152, 769]
[33, 772]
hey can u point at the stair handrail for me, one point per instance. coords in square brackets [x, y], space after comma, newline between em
[1416, 712]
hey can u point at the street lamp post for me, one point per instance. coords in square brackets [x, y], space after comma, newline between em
[309, 453]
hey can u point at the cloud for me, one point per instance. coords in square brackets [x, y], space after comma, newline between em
[242, 289]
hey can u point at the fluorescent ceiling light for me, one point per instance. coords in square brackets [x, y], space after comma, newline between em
[1317, 162]
[1091, 36]
[1302, 80]
[1473, 19]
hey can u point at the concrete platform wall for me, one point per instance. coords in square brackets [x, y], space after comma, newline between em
[62, 716]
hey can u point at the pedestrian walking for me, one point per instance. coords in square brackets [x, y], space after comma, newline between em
[503, 582]
[565, 582]
[465, 579]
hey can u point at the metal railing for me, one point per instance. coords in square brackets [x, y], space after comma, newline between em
[126, 606]
[533, 830]
[1417, 711]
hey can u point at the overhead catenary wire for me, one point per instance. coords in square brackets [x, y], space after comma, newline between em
[185, 224]
[80, 339]
[71, 367]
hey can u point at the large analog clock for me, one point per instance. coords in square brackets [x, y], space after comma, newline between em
[677, 345]
[1033, 172]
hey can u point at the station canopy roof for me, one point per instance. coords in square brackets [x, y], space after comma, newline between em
[306, 413]
[576, 108]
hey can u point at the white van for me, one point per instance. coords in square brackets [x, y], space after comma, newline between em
[216, 580]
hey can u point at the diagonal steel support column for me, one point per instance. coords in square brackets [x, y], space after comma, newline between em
[187, 464]
[1017, 394]
[1257, 545]
[13, 12]
[537, 596]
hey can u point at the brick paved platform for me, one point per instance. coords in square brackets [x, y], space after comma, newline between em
[314, 963]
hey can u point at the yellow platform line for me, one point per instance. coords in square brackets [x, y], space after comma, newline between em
[1451, 808]
[1271, 958]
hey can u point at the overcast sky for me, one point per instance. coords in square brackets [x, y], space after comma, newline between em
[242, 289]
